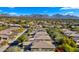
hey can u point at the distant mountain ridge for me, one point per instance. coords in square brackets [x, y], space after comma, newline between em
[59, 16]
[55, 16]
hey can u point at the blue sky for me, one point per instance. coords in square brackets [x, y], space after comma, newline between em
[39, 10]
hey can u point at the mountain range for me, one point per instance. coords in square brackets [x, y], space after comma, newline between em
[55, 16]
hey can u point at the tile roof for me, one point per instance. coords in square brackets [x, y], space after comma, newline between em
[42, 44]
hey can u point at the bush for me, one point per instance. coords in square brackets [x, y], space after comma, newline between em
[22, 38]
[76, 49]
[68, 48]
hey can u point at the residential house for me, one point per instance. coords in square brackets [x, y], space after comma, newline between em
[73, 34]
[4, 34]
[14, 25]
[42, 41]
[42, 46]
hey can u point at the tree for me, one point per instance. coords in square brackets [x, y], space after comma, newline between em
[68, 48]
[73, 44]
[22, 38]
[76, 49]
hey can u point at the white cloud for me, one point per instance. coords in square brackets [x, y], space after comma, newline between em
[11, 7]
[67, 8]
[13, 13]
[70, 13]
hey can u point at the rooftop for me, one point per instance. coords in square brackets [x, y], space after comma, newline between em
[5, 32]
[42, 36]
[15, 25]
[43, 44]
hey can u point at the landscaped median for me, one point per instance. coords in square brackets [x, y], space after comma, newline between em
[63, 43]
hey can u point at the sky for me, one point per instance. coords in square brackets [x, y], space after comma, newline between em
[39, 10]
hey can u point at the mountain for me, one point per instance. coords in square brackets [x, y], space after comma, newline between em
[55, 16]
[59, 16]
[39, 16]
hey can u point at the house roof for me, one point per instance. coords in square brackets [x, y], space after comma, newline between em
[2, 23]
[75, 35]
[6, 32]
[76, 38]
[31, 38]
[42, 36]
[42, 44]
[4, 36]
[70, 33]
[26, 43]
[14, 25]
[42, 40]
